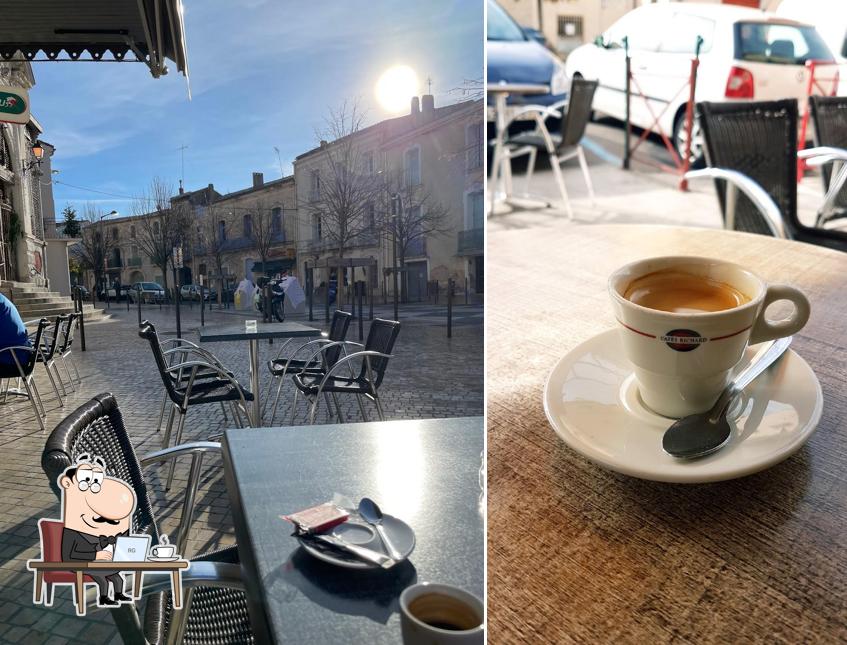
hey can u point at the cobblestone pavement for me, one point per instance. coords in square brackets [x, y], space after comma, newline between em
[430, 376]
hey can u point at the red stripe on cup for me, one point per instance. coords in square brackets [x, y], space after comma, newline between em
[740, 331]
[637, 332]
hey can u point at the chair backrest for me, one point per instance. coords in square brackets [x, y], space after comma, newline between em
[148, 332]
[71, 322]
[27, 359]
[381, 338]
[579, 111]
[829, 116]
[337, 331]
[51, 539]
[50, 340]
[759, 140]
[97, 428]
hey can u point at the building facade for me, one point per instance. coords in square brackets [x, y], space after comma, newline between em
[432, 158]
[23, 187]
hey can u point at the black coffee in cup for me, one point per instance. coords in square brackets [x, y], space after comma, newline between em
[444, 612]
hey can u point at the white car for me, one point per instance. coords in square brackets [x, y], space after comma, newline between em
[746, 55]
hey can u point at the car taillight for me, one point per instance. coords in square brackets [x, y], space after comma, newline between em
[739, 85]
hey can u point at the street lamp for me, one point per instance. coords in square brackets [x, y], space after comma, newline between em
[397, 206]
[37, 151]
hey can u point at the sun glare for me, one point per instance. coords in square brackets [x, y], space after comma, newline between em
[396, 87]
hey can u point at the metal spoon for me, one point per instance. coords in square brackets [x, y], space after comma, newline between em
[373, 516]
[698, 435]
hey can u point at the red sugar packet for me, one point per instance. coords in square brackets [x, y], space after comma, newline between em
[317, 519]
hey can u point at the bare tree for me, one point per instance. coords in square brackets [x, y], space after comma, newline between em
[212, 233]
[409, 214]
[95, 245]
[345, 190]
[262, 232]
[162, 225]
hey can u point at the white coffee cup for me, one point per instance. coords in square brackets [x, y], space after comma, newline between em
[683, 361]
[427, 608]
[163, 550]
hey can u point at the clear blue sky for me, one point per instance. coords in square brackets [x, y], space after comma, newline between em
[263, 73]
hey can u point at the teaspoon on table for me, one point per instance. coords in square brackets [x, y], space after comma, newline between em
[372, 515]
[698, 435]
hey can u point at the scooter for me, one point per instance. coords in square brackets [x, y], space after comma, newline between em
[277, 299]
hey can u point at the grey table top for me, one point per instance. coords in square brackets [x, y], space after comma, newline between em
[424, 472]
[263, 330]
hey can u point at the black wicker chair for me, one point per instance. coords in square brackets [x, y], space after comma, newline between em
[562, 146]
[829, 116]
[65, 349]
[21, 367]
[214, 606]
[185, 392]
[751, 150]
[374, 361]
[280, 367]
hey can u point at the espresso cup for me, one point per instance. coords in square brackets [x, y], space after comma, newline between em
[683, 360]
[436, 614]
[163, 550]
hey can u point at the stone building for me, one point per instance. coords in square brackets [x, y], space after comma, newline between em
[22, 238]
[434, 151]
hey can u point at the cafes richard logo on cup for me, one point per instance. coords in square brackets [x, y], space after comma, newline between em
[683, 340]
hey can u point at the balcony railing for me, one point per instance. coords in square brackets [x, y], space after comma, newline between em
[470, 241]
[316, 245]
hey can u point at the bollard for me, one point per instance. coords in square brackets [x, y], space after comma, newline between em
[81, 325]
[138, 302]
[370, 301]
[267, 303]
[360, 289]
[326, 301]
[310, 290]
[450, 308]
[127, 300]
[202, 307]
[466, 289]
[176, 303]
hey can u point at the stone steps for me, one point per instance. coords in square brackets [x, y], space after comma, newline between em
[37, 302]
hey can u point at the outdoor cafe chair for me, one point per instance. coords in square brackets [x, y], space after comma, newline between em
[561, 146]
[373, 361]
[214, 607]
[280, 366]
[47, 355]
[751, 151]
[64, 352]
[184, 393]
[22, 368]
[829, 116]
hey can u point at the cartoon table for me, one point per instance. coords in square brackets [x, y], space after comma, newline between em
[138, 568]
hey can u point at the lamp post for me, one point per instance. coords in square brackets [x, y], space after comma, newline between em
[104, 282]
[397, 203]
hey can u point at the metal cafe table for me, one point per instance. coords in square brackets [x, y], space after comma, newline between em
[425, 472]
[263, 331]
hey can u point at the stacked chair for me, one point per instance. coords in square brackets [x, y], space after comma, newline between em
[18, 363]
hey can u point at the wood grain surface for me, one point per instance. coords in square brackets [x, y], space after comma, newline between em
[578, 554]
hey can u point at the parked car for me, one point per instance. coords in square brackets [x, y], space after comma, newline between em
[192, 292]
[121, 294]
[86, 294]
[514, 57]
[150, 292]
[746, 55]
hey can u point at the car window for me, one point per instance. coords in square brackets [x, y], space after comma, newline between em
[680, 34]
[640, 29]
[501, 26]
[779, 44]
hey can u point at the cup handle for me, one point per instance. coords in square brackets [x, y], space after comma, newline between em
[764, 330]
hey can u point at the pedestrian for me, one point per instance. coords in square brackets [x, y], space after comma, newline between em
[12, 332]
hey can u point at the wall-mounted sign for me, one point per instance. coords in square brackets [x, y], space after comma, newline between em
[14, 104]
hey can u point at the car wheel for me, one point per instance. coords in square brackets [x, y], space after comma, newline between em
[697, 157]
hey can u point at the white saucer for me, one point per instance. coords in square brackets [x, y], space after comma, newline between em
[153, 558]
[592, 401]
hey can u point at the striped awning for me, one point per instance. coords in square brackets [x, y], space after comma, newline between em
[148, 31]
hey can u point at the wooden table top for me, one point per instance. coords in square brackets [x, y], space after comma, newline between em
[109, 565]
[580, 554]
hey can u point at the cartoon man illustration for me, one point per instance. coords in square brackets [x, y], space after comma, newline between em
[96, 509]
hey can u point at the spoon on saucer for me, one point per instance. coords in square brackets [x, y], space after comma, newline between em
[698, 435]
[371, 513]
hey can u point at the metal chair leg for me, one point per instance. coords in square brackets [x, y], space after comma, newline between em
[53, 385]
[58, 375]
[162, 411]
[379, 407]
[338, 408]
[76, 371]
[276, 399]
[167, 436]
[223, 409]
[294, 406]
[37, 394]
[530, 167]
[68, 371]
[362, 407]
[33, 403]
[314, 410]
[557, 172]
[580, 153]
[180, 425]
[329, 413]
